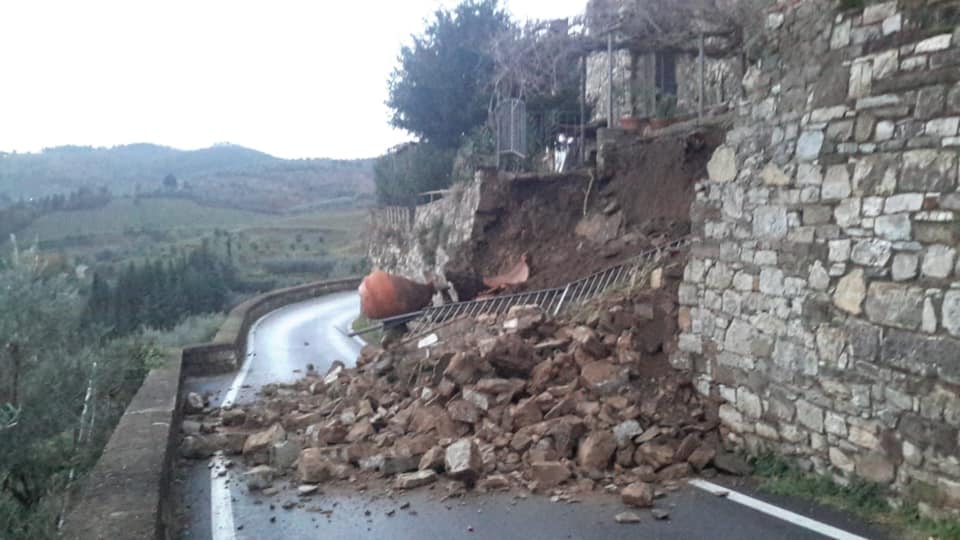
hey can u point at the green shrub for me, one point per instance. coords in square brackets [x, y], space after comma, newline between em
[401, 175]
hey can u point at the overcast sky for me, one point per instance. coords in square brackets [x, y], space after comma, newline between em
[294, 78]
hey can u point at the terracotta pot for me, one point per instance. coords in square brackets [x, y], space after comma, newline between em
[630, 123]
[660, 123]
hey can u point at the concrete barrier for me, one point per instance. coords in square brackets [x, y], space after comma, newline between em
[126, 493]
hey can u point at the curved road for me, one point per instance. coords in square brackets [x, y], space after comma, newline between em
[280, 347]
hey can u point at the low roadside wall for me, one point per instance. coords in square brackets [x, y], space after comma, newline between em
[126, 494]
[225, 353]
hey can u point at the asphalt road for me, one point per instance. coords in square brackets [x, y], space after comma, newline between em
[282, 345]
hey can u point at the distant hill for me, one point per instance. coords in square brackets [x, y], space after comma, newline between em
[223, 175]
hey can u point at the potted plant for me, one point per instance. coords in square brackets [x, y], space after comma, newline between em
[629, 94]
[666, 109]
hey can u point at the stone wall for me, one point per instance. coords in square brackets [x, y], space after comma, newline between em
[634, 83]
[823, 302]
[419, 250]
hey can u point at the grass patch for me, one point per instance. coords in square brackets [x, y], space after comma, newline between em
[372, 338]
[865, 499]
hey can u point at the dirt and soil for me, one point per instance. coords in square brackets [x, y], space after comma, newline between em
[645, 203]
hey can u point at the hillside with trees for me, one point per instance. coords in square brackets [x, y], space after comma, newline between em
[223, 175]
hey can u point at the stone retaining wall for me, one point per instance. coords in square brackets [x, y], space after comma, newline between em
[823, 304]
[125, 496]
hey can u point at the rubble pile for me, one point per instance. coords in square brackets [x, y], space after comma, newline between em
[523, 401]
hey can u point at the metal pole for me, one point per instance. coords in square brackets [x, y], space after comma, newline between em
[583, 109]
[702, 89]
[610, 79]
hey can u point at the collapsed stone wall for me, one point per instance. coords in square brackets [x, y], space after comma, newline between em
[823, 302]
[420, 248]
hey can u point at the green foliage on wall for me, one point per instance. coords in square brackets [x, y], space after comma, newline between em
[413, 169]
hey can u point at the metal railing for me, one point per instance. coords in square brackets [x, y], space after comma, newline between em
[398, 217]
[552, 301]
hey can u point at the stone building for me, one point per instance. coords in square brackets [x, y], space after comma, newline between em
[823, 301]
[648, 71]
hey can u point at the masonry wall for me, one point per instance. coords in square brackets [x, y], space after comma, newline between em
[421, 246]
[823, 301]
[634, 83]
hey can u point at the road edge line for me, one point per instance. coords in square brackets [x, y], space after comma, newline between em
[775, 511]
[231, 397]
[221, 502]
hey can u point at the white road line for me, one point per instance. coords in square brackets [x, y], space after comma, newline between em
[775, 511]
[231, 396]
[221, 502]
[340, 324]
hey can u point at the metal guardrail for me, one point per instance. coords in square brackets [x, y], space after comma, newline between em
[552, 301]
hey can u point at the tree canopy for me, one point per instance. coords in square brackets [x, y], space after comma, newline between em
[440, 90]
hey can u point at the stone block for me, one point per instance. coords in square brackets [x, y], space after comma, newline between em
[809, 174]
[872, 206]
[933, 44]
[835, 424]
[847, 213]
[809, 145]
[836, 183]
[861, 79]
[596, 450]
[719, 277]
[929, 170]
[795, 358]
[863, 340]
[722, 167]
[885, 131]
[810, 416]
[938, 261]
[840, 36]
[851, 290]
[839, 250]
[904, 202]
[929, 324]
[819, 278]
[743, 281]
[936, 233]
[840, 460]
[877, 174]
[950, 314]
[892, 25]
[462, 461]
[877, 12]
[930, 102]
[748, 403]
[942, 127]
[770, 222]
[926, 433]
[894, 304]
[871, 252]
[774, 176]
[415, 479]
[905, 266]
[739, 336]
[893, 226]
